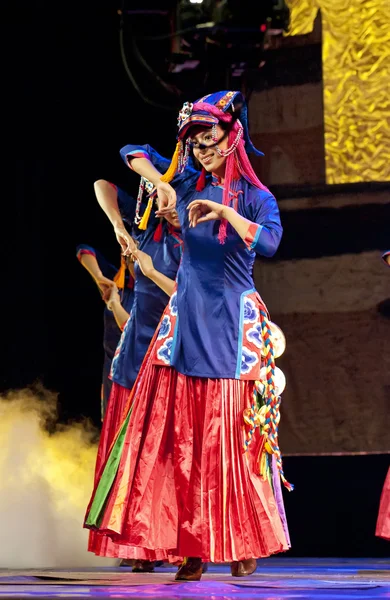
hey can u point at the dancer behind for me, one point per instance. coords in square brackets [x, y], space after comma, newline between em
[158, 243]
[186, 475]
[383, 522]
[103, 273]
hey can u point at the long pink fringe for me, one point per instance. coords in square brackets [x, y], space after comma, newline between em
[238, 160]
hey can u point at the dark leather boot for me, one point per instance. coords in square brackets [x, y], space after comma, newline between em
[143, 566]
[190, 569]
[242, 568]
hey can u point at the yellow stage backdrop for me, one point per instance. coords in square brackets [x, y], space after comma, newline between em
[356, 80]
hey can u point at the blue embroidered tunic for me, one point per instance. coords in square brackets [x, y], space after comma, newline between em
[211, 327]
[149, 300]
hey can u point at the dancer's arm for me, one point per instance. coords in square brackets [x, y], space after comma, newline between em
[166, 195]
[107, 197]
[145, 161]
[144, 167]
[87, 257]
[113, 302]
[147, 267]
[262, 234]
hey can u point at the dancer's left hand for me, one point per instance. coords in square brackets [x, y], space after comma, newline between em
[201, 211]
[166, 198]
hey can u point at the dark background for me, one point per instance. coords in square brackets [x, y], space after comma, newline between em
[70, 108]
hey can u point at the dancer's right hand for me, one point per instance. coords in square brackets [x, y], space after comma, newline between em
[125, 240]
[110, 296]
[166, 198]
[104, 284]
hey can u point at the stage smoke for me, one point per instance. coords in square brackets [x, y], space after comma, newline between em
[46, 481]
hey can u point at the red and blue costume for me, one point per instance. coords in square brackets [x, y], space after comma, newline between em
[178, 481]
[163, 243]
[111, 331]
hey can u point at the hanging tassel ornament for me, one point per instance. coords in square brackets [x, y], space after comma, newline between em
[158, 233]
[141, 190]
[183, 157]
[272, 401]
[170, 173]
[142, 222]
[145, 217]
[240, 131]
[201, 183]
[119, 278]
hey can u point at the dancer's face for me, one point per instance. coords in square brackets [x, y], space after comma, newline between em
[173, 219]
[205, 150]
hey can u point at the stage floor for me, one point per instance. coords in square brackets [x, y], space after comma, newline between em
[275, 579]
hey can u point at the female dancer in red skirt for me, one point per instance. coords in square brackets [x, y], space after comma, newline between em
[159, 247]
[191, 472]
[383, 522]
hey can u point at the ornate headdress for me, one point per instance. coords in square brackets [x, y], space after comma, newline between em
[208, 111]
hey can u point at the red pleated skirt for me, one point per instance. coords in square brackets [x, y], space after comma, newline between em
[383, 522]
[97, 543]
[185, 486]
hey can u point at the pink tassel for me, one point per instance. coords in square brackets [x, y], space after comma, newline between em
[201, 183]
[246, 169]
[244, 165]
[227, 187]
[236, 172]
[237, 164]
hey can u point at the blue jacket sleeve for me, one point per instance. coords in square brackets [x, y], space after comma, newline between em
[84, 249]
[105, 266]
[159, 162]
[265, 232]
[145, 151]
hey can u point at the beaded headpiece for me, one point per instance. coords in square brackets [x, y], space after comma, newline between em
[144, 184]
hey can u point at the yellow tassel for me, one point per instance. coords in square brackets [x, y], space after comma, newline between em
[263, 465]
[120, 276]
[169, 175]
[145, 217]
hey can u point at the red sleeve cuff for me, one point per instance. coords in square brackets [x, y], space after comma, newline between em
[84, 251]
[136, 154]
[252, 235]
